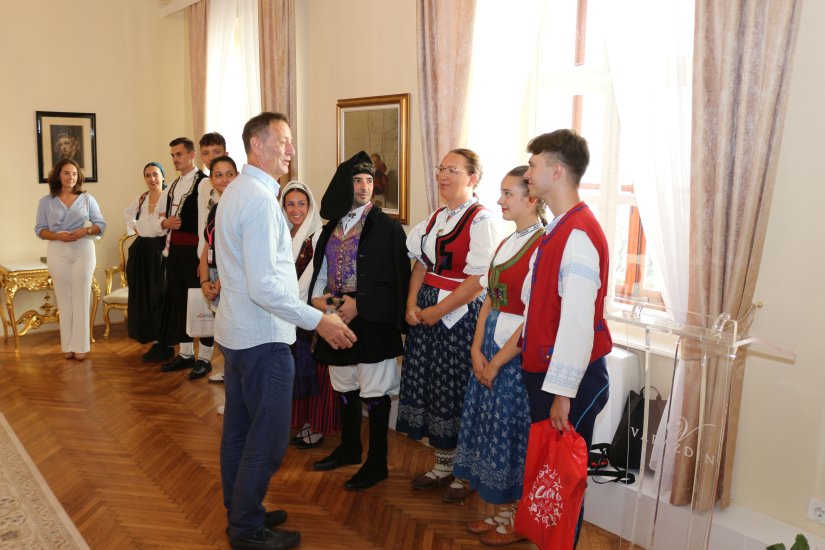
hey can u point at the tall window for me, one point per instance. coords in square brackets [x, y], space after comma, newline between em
[559, 48]
[232, 75]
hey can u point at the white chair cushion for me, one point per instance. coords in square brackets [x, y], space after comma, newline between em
[119, 296]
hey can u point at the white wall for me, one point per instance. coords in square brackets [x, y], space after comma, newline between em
[780, 462]
[116, 58]
[351, 49]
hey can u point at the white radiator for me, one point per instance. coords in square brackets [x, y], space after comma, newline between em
[624, 372]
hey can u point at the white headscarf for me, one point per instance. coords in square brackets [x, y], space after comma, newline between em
[312, 223]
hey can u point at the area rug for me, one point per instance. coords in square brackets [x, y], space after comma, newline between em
[30, 515]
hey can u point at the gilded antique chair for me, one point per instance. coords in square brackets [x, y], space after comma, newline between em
[119, 298]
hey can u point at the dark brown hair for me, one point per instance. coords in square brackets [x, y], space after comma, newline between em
[297, 190]
[568, 146]
[473, 161]
[212, 138]
[188, 144]
[258, 126]
[222, 158]
[54, 178]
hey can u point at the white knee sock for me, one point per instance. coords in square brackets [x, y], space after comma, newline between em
[204, 352]
[187, 350]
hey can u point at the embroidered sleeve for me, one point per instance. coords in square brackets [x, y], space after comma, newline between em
[483, 242]
[578, 286]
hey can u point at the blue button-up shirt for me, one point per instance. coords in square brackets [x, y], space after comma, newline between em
[53, 215]
[259, 286]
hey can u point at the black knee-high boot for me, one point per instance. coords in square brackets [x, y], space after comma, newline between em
[349, 451]
[375, 468]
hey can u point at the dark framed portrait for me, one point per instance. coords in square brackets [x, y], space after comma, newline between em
[66, 135]
[380, 126]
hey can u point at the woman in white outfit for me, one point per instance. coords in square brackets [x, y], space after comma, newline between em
[69, 218]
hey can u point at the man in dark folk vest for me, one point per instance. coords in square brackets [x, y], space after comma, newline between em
[362, 272]
[180, 218]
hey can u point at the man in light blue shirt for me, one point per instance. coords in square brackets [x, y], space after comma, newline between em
[254, 326]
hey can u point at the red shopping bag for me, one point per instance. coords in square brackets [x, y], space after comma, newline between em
[555, 477]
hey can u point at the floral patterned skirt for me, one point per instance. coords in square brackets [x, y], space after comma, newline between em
[495, 424]
[437, 366]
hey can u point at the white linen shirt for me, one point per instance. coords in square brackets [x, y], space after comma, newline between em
[578, 285]
[148, 225]
[259, 286]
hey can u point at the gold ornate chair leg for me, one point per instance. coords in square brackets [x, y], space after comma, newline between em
[106, 321]
[95, 300]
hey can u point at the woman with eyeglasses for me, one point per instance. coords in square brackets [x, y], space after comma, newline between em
[452, 250]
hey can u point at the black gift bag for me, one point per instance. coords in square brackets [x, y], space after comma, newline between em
[625, 450]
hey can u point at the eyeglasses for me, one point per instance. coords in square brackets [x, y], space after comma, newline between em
[451, 170]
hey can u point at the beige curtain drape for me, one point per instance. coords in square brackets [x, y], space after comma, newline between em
[276, 21]
[196, 23]
[445, 43]
[742, 60]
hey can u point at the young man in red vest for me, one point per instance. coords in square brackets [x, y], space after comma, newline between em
[565, 338]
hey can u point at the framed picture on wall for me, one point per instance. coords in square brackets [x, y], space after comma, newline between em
[66, 135]
[380, 126]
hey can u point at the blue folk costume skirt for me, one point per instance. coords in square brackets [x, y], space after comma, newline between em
[437, 367]
[495, 425]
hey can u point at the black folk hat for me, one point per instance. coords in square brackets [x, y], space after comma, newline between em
[337, 200]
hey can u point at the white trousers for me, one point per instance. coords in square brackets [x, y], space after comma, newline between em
[373, 379]
[71, 266]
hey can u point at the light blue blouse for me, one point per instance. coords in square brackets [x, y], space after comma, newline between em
[53, 215]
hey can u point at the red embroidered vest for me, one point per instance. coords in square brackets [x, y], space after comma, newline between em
[506, 279]
[543, 316]
[451, 248]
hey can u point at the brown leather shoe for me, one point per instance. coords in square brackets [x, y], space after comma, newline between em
[456, 494]
[503, 535]
[423, 481]
[481, 526]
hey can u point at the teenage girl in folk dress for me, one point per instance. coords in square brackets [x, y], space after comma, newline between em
[222, 171]
[495, 423]
[145, 266]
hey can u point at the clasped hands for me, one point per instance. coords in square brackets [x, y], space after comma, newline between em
[345, 307]
[428, 316]
[211, 290]
[484, 370]
[71, 236]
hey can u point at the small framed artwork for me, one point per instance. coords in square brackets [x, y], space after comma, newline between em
[66, 135]
[380, 126]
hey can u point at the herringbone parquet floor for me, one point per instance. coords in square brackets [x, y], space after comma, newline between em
[132, 455]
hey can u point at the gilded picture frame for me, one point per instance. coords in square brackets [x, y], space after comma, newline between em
[66, 135]
[380, 126]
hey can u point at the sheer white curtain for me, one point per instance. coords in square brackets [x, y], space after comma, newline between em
[501, 105]
[650, 50]
[232, 71]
